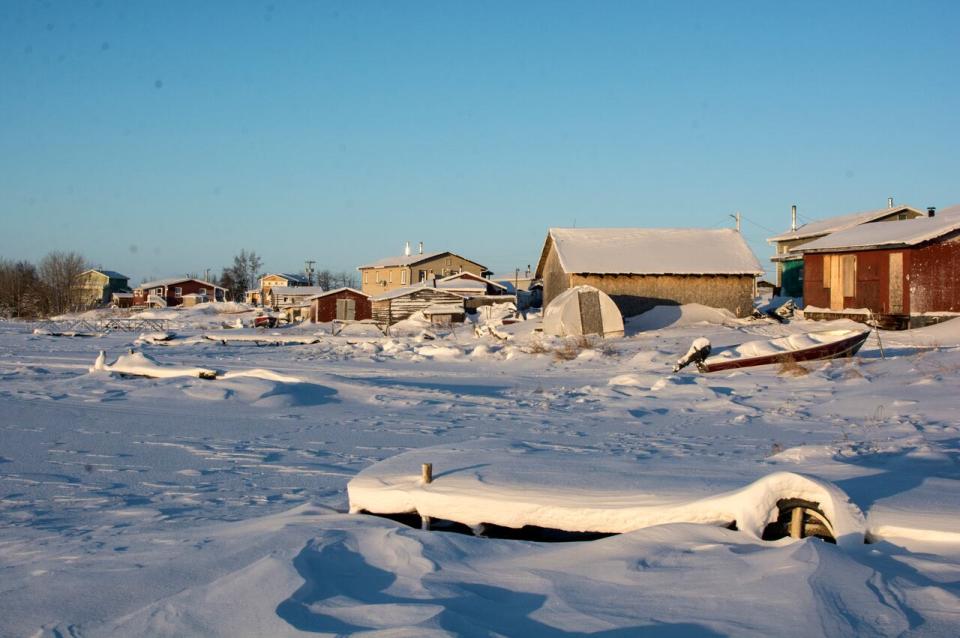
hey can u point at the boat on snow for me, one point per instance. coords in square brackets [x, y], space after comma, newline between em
[810, 346]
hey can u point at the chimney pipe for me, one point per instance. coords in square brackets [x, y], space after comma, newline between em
[421, 248]
[793, 217]
[406, 249]
[889, 202]
[931, 211]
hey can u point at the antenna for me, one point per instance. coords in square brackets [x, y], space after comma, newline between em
[736, 216]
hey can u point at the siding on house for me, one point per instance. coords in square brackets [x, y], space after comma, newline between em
[393, 273]
[324, 307]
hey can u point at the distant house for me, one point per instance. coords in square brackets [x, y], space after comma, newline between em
[400, 304]
[280, 297]
[645, 267]
[517, 280]
[899, 272]
[121, 299]
[789, 256]
[476, 290]
[344, 304]
[261, 295]
[170, 292]
[98, 286]
[393, 273]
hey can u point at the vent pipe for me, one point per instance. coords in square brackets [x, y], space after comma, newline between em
[421, 248]
[406, 250]
[889, 202]
[931, 211]
[793, 217]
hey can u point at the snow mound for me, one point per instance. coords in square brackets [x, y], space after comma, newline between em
[661, 317]
[518, 485]
[139, 364]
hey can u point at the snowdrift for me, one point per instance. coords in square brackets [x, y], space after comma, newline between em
[661, 317]
[140, 365]
[517, 486]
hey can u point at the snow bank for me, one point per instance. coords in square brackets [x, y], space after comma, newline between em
[687, 314]
[512, 487]
[139, 364]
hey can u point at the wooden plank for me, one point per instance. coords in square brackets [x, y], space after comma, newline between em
[836, 284]
[848, 265]
[896, 283]
[591, 322]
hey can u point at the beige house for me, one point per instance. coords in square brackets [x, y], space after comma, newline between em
[405, 270]
[641, 268]
[262, 296]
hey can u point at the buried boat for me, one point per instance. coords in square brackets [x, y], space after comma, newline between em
[530, 491]
[810, 346]
[521, 491]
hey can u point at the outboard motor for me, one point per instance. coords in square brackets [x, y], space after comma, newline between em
[698, 353]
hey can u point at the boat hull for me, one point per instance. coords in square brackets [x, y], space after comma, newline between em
[846, 347]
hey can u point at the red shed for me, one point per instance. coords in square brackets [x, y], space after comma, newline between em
[898, 270]
[345, 304]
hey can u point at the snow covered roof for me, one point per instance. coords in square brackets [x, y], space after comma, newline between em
[339, 290]
[467, 280]
[111, 274]
[408, 290]
[651, 251]
[399, 260]
[886, 234]
[296, 291]
[410, 260]
[159, 283]
[840, 222]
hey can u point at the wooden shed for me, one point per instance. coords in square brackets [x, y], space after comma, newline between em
[903, 273]
[397, 305]
[641, 268]
[344, 304]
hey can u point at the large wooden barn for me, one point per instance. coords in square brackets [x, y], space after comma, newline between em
[397, 305]
[343, 304]
[903, 272]
[641, 268]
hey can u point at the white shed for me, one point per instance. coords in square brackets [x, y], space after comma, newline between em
[582, 310]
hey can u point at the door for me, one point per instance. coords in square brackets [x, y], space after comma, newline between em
[591, 323]
[346, 309]
[896, 283]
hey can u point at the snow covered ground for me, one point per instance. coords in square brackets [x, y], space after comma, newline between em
[186, 506]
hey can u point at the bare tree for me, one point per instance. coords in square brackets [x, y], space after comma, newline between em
[21, 293]
[59, 272]
[242, 275]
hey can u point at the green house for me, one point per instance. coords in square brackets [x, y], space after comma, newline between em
[96, 286]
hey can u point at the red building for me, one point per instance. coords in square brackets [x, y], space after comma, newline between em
[170, 292]
[898, 271]
[345, 304]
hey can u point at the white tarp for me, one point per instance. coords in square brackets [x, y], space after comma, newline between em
[563, 317]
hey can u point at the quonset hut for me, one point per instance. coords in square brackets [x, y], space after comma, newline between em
[641, 268]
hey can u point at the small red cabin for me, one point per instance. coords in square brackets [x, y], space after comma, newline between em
[344, 304]
[896, 270]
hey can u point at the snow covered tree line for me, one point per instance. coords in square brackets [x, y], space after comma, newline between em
[48, 288]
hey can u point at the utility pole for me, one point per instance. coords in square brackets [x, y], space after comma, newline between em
[736, 216]
[308, 269]
[207, 276]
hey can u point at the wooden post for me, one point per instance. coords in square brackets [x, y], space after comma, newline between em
[426, 472]
[796, 523]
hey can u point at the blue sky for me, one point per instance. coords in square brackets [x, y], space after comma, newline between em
[158, 138]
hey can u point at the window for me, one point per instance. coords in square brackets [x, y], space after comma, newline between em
[423, 276]
[158, 291]
[177, 291]
[403, 276]
[202, 291]
[390, 276]
[366, 277]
